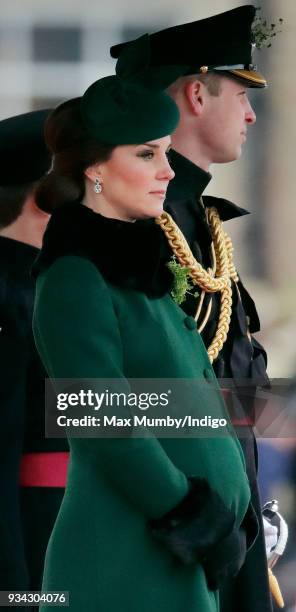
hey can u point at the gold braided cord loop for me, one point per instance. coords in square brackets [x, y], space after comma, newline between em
[201, 277]
[229, 247]
[211, 280]
[223, 324]
[219, 243]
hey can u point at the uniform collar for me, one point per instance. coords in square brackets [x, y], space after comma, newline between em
[16, 254]
[226, 209]
[189, 183]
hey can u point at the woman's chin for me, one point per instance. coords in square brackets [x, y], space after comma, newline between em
[151, 212]
[157, 210]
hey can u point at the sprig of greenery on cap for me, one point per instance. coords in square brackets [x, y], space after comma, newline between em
[263, 32]
[182, 283]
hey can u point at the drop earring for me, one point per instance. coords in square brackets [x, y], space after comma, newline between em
[97, 186]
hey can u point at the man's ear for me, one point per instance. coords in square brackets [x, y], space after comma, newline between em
[194, 95]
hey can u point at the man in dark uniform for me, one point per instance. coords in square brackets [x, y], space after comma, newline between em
[207, 67]
[27, 516]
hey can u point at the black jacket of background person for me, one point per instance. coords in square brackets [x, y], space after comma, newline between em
[22, 546]
[238, 359]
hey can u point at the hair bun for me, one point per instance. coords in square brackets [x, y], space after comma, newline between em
[59, 129]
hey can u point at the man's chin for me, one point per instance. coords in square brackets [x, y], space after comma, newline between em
[228, 157]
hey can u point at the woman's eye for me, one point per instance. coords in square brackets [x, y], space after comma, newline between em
[146, 154]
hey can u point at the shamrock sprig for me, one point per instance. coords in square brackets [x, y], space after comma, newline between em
[182, 284]
[262, 32]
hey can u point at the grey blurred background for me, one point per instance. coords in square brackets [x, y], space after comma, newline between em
[52, 50]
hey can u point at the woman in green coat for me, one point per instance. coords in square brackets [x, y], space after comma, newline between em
[146, 523]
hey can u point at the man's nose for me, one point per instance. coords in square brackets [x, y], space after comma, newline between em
[250, 114]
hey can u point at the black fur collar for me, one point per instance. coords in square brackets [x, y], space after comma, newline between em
[131, 255]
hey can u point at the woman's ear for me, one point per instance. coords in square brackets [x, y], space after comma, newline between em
[194, 95]
[93, 172]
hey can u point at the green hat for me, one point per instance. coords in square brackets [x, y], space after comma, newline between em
[222, 43]
[23, 153]
[120, 112]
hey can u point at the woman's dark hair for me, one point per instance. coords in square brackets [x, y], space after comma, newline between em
[73, 151]
[12, 200]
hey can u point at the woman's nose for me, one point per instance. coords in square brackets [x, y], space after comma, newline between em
[166, 172]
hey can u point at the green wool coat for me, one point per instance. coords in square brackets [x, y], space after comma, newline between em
[101, 549]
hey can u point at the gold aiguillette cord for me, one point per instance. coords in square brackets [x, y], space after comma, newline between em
[275, 589]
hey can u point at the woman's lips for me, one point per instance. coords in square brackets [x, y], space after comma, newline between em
[161, 193]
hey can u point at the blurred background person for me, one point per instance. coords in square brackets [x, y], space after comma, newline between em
[25, 518]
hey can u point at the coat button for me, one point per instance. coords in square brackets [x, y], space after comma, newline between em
[190, 323]
[208, 374]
